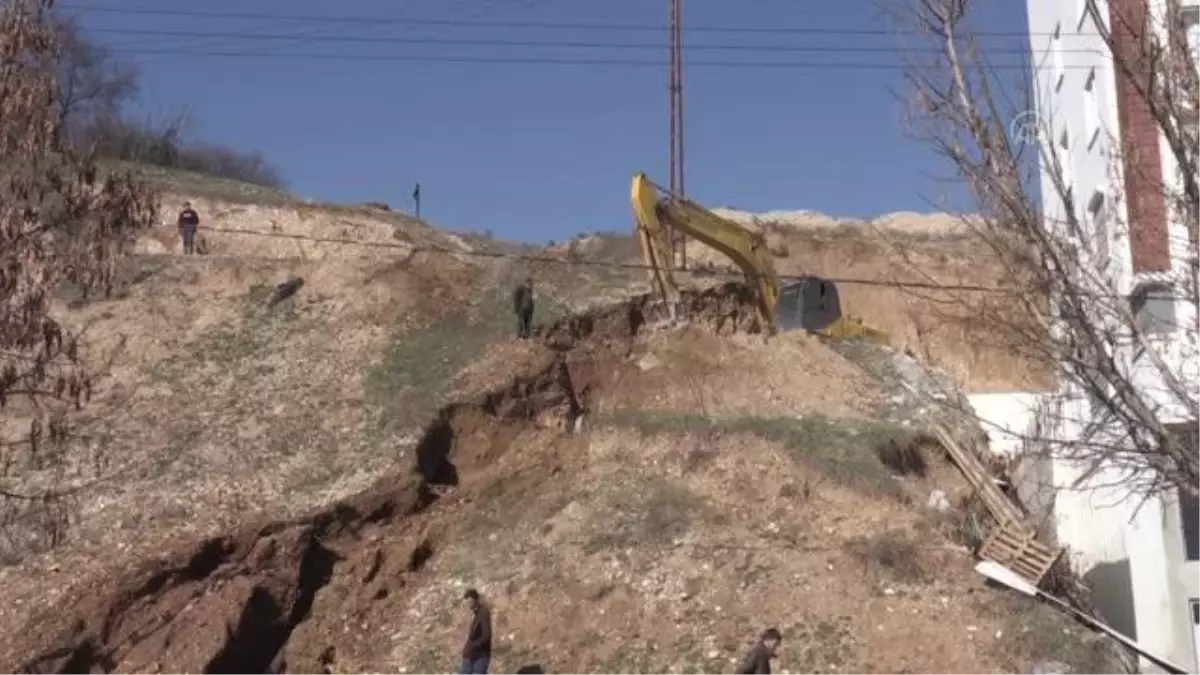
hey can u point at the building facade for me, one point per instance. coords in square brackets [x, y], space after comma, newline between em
[1140, 557]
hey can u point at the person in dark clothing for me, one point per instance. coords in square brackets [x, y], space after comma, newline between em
[477, 652]
[189, 220]
[523, 307]
[759, 658]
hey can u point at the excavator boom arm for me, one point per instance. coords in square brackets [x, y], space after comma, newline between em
[746, 248]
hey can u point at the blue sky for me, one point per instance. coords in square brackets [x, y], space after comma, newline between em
[539, 151]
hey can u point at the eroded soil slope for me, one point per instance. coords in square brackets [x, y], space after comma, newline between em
[613, 531]
[970, 334]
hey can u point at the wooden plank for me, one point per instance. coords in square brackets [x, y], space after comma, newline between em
[1023, 542]
[1012, 543]
[977, 475]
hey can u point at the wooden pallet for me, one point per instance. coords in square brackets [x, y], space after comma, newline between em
[1013, 543]
[1015, 547]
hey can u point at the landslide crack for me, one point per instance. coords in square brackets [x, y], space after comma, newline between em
[256, 644]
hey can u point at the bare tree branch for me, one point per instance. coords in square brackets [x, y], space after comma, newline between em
[59, 223]
[1123, 381]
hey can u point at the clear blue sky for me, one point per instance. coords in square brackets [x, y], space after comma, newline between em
[542, 151]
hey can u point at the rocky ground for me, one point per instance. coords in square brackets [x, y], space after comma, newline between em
[305, 449]
[612, 530]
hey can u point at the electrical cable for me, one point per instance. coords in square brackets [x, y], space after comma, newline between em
[541, 258]
[468, 23]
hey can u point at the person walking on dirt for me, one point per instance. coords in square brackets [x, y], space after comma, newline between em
[189, 220]
[523, 307]
[477, 652]
[759, 658]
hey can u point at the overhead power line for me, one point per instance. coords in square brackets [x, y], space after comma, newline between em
[547, 60]
[583, 262]
[469, 23]
[654, 46]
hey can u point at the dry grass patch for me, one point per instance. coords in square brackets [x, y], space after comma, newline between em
[639, 510]
[892, 553]
[1034, 631]
[863, 454]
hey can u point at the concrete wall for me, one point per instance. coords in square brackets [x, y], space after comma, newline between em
[1006, 417]
[1131, 552]
[1070, 70]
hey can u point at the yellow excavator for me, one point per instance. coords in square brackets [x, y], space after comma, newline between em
[809, 302]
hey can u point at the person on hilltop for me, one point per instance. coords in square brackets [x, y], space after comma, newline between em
[477, 652]
[759, 658]
[189, 220]
[523, 307]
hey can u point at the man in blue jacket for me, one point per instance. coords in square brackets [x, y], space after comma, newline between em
[477, 652]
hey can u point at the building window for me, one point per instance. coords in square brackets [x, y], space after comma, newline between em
[1056, 56]
[1189, 523]
[1091, 109]
[1153, 306]
[1189, 505]
[1063, 152]
[1098, 218]
[1189, 518]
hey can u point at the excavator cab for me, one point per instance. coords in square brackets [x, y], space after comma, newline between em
[810, 303]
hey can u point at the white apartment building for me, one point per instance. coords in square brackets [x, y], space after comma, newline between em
[1140, 559]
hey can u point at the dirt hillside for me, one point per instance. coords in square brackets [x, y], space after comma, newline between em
[305, 449]
[957, 330]
[615, 524]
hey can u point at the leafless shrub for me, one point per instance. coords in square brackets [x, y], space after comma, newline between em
[95, 87]
[893, 553]
[92, 81]
[164, 143]
[1124, 378]
[58, 224]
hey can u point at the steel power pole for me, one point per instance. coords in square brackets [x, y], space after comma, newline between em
[675, 106]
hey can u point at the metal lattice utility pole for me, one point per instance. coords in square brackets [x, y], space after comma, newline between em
[675, 95]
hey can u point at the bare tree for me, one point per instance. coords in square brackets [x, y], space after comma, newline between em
[59, 223]
[92, 81]
[1125, 381]
[95, 86]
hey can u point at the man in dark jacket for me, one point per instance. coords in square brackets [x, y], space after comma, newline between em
[523, 307]
[477, 652]
[759, 658]
[189, 220]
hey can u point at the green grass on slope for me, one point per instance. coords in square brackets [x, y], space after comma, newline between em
[409, 382]
[860, 453]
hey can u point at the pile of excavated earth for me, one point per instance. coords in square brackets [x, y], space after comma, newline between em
[309, 483]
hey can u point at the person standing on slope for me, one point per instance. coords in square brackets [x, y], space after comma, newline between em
[759, 658]
[189, 220]
[523, 307]
[477, 652]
